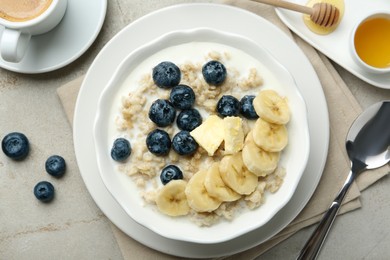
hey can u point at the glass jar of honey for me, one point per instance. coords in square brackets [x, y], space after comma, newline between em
[371, 43]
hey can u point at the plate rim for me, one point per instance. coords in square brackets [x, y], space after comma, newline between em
[122, 222]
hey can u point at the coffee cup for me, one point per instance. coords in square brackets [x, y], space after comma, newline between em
[23, 19]
[370, 42]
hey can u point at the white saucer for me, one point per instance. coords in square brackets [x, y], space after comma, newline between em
[336, 44]
[214, 16]
[65, 43]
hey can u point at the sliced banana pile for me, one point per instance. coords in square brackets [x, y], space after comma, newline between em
[269, 136]
[246, 158]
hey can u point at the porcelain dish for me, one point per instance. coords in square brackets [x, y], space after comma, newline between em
[336, 45]
[124, 190]
[158, 23]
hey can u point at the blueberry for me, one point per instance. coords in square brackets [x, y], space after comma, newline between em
[166, 74]
[44, 191]
[15, 145]
[121, 149]
[170, 172]
[228, 106]
[162, 112]
[184, 144]
[158, 142]
[55, 166]
[214, 72]
[189, 119]
[246, 107]
[182, 97]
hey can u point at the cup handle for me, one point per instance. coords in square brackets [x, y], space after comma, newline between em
[14, 44]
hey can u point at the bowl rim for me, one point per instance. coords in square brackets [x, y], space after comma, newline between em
[185, 36]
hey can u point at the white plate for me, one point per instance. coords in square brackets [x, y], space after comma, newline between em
[336, 44]
[124, 189]
[65, 43]
[216, 16]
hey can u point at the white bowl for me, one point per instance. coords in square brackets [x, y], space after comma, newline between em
[367, 67]
[122, 188]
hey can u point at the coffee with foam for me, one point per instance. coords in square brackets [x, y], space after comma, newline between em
[21, 10]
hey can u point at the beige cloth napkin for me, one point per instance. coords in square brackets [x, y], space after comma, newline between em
[343, 109]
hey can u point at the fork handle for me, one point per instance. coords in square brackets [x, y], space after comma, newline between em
[287, 5]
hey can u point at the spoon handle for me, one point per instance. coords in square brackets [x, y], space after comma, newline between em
[313, 245]
[287, 5]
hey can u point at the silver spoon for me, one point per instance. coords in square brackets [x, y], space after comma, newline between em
[368, 147]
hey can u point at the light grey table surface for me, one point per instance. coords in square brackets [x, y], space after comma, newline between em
[73, 227]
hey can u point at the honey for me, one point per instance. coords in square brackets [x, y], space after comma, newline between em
[372, 41]
[339, 4]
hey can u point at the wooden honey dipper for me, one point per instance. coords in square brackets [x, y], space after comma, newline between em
[322, 14]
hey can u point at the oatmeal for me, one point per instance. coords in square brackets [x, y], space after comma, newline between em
[222, 166]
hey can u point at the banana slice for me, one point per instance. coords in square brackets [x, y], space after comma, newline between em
[216, 187]
[236, 175]
[197, 196]
[171, 199]
[270, 106]
[257, 160]
[270, 137]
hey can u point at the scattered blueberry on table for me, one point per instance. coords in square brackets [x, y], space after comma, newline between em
[182, 97]
[162, 112]
[15, 145]
[184, 144]
[228, 106]
[55, 166]
[158, 142]
[166, 74]
[121, 149]
[214, 72]
[246, 107]
[170, 172]
[44, 191]
[189, 119]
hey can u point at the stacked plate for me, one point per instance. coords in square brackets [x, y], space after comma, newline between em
[118, 196]
[123, 188]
